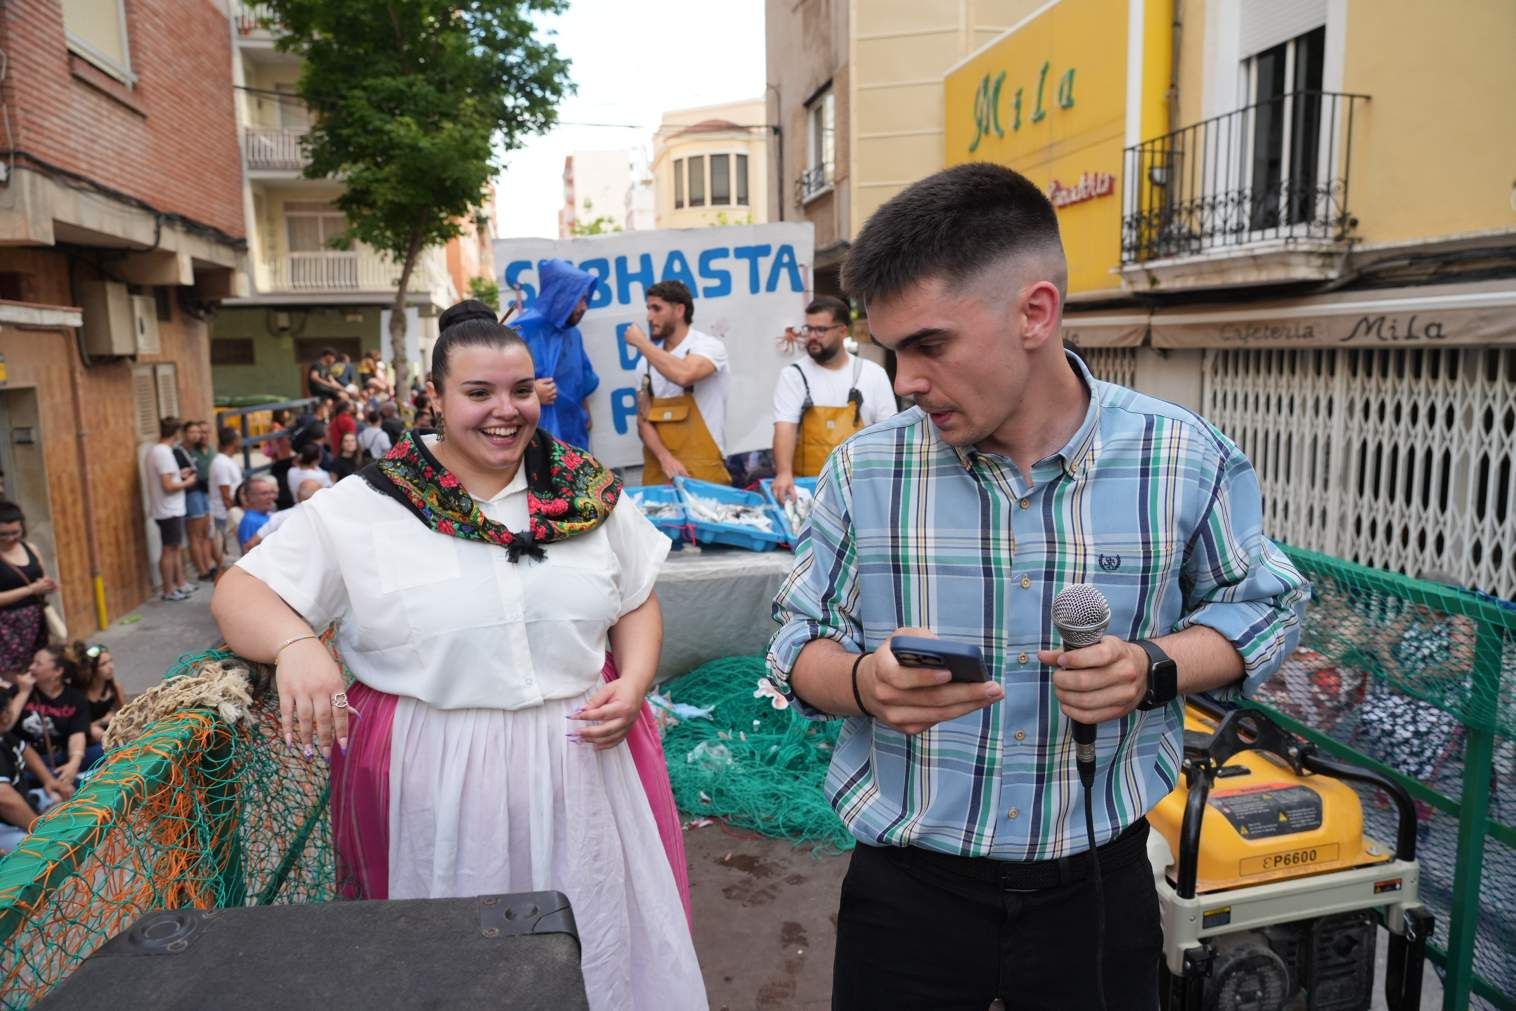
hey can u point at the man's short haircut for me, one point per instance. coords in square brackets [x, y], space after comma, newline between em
[372, 417]
[168, 426]
[675, 293]
[227, 437]
[832, 304]
[950, 225]
[388, 409]
[310, 453]
[327, 351]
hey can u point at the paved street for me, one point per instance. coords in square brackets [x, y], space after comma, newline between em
[146, 642]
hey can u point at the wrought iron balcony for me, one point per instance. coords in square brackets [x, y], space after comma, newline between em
[813, 182]
[1274, 171]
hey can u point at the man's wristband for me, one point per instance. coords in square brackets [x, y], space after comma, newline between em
[858, 695]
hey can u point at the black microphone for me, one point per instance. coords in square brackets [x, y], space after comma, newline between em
[1082, 614]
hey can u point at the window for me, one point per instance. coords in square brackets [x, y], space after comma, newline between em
[741, 179]
[155, 394]
[311, 226]
[678, 183]
[721, 179]
[233, 351]
[820, 145]
[96, 30]
[292, 112]
[697, 180]
[1284, 86]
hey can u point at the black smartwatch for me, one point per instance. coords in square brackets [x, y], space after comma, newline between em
[1163, 677]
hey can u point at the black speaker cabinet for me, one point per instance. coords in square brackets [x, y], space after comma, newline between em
[495, 951]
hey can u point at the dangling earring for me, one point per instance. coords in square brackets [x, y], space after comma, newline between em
[441, 427]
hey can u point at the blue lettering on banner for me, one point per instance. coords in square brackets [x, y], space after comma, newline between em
[721, 276]
[624, 278]
[784, 261]
[752, 254]
[600, 296]
[783, 270]
[623, 407]
[513, 272]
[677, 268]
[629, 356]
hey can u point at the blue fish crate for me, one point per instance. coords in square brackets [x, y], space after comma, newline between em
[672, 523]
[791, 535]
[735, 534]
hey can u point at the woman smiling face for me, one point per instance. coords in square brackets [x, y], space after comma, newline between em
[489, 409]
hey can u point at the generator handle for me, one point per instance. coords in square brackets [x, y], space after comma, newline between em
[1199, 775]
[1405, 829]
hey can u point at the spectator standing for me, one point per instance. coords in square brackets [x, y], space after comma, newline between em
[308, 468]
[197, 500]
[390, 421]
[225, 476]
[344, 422]
[167, 480]
[347, 461]
[372, 437]
[259, 495]
[23, 591]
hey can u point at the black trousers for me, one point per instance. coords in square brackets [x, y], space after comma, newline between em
[919, 930]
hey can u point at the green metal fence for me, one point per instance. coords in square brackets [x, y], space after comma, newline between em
[1418, 681]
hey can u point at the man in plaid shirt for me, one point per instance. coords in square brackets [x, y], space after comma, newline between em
[1014, 475]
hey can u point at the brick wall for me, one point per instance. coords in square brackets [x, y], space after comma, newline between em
[171, 139]
[47, 361]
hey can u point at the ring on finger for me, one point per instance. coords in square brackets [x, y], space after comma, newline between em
[339, 700]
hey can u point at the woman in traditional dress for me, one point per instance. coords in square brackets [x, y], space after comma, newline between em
[477, 579]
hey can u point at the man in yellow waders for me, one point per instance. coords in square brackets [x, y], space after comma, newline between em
[824, 398]
[681, 415]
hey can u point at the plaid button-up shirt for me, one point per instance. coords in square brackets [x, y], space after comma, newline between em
[1147, 501]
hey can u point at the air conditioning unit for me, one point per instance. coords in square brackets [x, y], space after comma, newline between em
[108, 327]
[145, 324]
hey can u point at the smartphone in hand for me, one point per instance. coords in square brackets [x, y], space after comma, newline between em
[962, 661]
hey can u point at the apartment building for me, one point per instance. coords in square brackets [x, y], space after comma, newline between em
[121, 227]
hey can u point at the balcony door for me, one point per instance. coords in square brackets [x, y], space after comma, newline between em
[310, 228]
[1285, 170]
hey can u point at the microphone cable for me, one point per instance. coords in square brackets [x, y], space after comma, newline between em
[1086, 779]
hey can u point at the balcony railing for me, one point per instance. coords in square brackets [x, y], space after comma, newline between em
[337, 270]
[1276, 170]
[274, 148]
[252, 18]
[813, 182]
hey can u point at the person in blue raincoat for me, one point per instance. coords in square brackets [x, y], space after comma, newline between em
[565, 377]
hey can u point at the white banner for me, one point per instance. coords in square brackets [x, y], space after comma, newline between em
[749, 283]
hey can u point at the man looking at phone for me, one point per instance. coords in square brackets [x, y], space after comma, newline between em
[1014, 475]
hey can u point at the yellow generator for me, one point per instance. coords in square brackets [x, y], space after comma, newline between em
[1270, 893]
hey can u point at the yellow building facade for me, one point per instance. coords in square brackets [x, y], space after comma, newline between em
[1289, 217]
[710, 166]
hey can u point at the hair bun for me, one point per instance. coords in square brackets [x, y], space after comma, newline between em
[466, 311]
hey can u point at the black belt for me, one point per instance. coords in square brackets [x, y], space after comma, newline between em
[1036, 875]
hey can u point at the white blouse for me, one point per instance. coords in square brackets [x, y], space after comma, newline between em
[453, 622]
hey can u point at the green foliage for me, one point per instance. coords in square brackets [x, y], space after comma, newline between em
[603, 225]
[485, 290]
[723, 218]
[412, 100]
